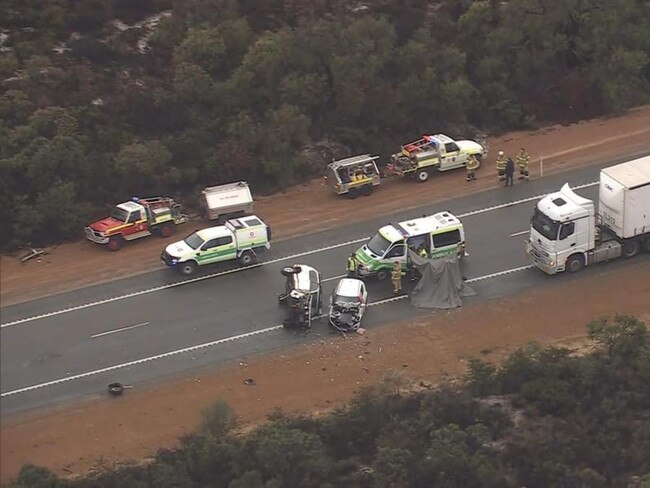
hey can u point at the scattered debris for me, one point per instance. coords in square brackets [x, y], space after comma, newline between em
[116, 389]
[33, 253]
[361, 331]
[249, 382]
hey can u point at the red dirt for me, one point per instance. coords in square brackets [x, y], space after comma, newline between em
[70, 439]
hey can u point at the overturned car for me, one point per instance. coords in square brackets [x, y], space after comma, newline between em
[348, 304]
[302, 295]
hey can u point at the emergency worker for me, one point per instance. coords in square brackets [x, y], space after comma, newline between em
[352, 266]
[472, 165]
[510, 172]
[422, 252]
[396, 277]
[523, 160]
[501, 166]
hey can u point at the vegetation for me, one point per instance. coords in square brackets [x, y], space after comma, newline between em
[544, 418]
[104, 99]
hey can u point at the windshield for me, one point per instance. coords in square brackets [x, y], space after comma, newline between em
[378, 244]
[193, 240]
[545, 225]
[342, 300]
[119, 214]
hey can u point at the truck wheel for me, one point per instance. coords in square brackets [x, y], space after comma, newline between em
[382, 275]
[353, 193]
[575, 263]
[187, 268]
[166, 230]
[247, 258]
[646, 244]
[422, 175]
[630, 248]
[115, 243]
[366, 190]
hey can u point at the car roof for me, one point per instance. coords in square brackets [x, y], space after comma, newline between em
[214, 232]
[349, 287]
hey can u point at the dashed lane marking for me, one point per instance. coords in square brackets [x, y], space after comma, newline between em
[121, 329]
[218, 342]
[263, 263]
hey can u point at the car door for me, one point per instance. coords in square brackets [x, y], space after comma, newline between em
[206, 253]
[452, 158]
[396, 254]
[225, 249]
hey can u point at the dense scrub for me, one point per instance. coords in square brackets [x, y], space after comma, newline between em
[545, 417]
[104, 99]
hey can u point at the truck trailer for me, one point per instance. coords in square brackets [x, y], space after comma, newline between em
[567, 234]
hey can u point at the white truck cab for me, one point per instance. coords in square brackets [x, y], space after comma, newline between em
[566, 233]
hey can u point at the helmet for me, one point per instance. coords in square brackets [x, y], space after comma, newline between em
[500, 153]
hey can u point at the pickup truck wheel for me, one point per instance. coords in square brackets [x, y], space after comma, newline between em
[247, 258]
[187, 268]
[166, 230]
[115, 243]
[630, 248]
[575, 263]
[422, 175]
[382, 275]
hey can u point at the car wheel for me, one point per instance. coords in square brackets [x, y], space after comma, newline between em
[247, 258]
[422, 175]
[290, 270]
[115, 243]
[575, 263]
[187, 268]
[382, 275]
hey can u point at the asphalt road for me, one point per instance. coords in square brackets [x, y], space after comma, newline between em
[152, 327]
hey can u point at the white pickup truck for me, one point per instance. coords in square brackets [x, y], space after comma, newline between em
[236, 239]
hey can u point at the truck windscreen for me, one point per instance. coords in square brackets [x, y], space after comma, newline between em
[378, 245]
[545, 225]
[119, 214]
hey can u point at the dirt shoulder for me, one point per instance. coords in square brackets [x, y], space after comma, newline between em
[319, 376]
[79, 264]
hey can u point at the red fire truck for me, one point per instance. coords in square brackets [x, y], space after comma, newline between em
[137, 218]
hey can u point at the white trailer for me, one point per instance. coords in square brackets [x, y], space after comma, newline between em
[567, 234]
[227, 201]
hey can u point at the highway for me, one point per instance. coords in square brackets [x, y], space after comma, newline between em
[155, 326]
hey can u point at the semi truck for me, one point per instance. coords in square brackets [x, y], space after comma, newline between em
[437, 235]
[137, 218]
[567, 234]
[237, 239]
[434, 153]
[227, 201]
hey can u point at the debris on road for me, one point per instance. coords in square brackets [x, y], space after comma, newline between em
[249, 382]
[33, 253]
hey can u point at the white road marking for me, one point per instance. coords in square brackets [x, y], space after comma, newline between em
[219, 342]
[263, 263]
[520, 233]
[119, 330]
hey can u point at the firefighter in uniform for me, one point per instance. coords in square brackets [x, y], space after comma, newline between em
[396, 277]
[352, 266]
[501, 166]
[523, 159]
[472, 165]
